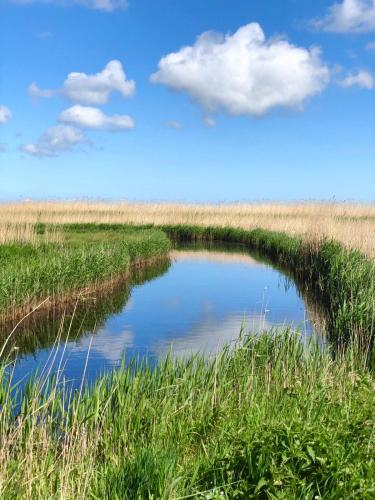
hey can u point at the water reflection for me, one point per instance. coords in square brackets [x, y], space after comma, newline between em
[198, 302]
[85, 315]
[221, 333]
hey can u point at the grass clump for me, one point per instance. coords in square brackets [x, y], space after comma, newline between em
[86, 256]
[272, 417]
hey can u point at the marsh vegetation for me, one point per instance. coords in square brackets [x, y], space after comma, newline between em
[273, 417]
[351, 224]
[38, 272]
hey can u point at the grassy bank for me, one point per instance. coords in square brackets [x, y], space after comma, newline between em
[342, 280]
[45, 327]
[85, 256]
[273, 418]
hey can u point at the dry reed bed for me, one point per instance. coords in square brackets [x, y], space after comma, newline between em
[351, 224]
[21, 232]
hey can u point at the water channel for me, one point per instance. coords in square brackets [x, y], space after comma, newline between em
[197, 301]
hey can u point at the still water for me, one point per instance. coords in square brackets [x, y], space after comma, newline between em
[197, 302]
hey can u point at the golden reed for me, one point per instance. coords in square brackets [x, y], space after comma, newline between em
[351, 224]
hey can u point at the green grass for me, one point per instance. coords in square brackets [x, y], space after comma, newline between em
[41, 329]
[273, 418]
[86, 256]
[342, 281]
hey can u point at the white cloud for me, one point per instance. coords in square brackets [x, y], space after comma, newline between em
[174, 124]
[89, 117]
[54, 141]
[244, 73]
[3, 147]
[105, 5]
[95, 89]
[91, 89]
[112, 347]
[43, 34]
[5, 114]
[209, 121]
[362, 79]
[35, 92]
[370, 46]
[349, 16]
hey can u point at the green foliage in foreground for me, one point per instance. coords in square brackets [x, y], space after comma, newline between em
[30, 273]
[272, 418]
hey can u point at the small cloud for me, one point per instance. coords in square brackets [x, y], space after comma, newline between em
[174, 124]
[362, 79]
[349, 16]
[35, 92]
[96, 88]
[3, 147]
[91, 88]
[104, 5]
[89, 117]
[370, 46]
[5, 114]
[352, 54]
[43, 35]
[209, 121]
[54, 141]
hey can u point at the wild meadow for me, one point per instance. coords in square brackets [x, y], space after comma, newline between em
[275, 416]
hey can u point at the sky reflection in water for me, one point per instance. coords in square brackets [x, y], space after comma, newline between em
[200, 304]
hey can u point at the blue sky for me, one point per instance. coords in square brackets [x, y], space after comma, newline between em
[278, 104]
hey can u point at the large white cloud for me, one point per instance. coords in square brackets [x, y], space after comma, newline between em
[54, 141]
[89, 117]
[244, 73]
[91, 89]
[354, 16]
[105, 5]
[5, 114]
[362, 79]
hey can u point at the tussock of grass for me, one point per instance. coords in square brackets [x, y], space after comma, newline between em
[272, 418]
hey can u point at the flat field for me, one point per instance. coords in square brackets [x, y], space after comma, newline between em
[353, 225]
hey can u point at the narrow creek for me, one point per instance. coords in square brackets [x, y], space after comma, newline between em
[197, 302]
